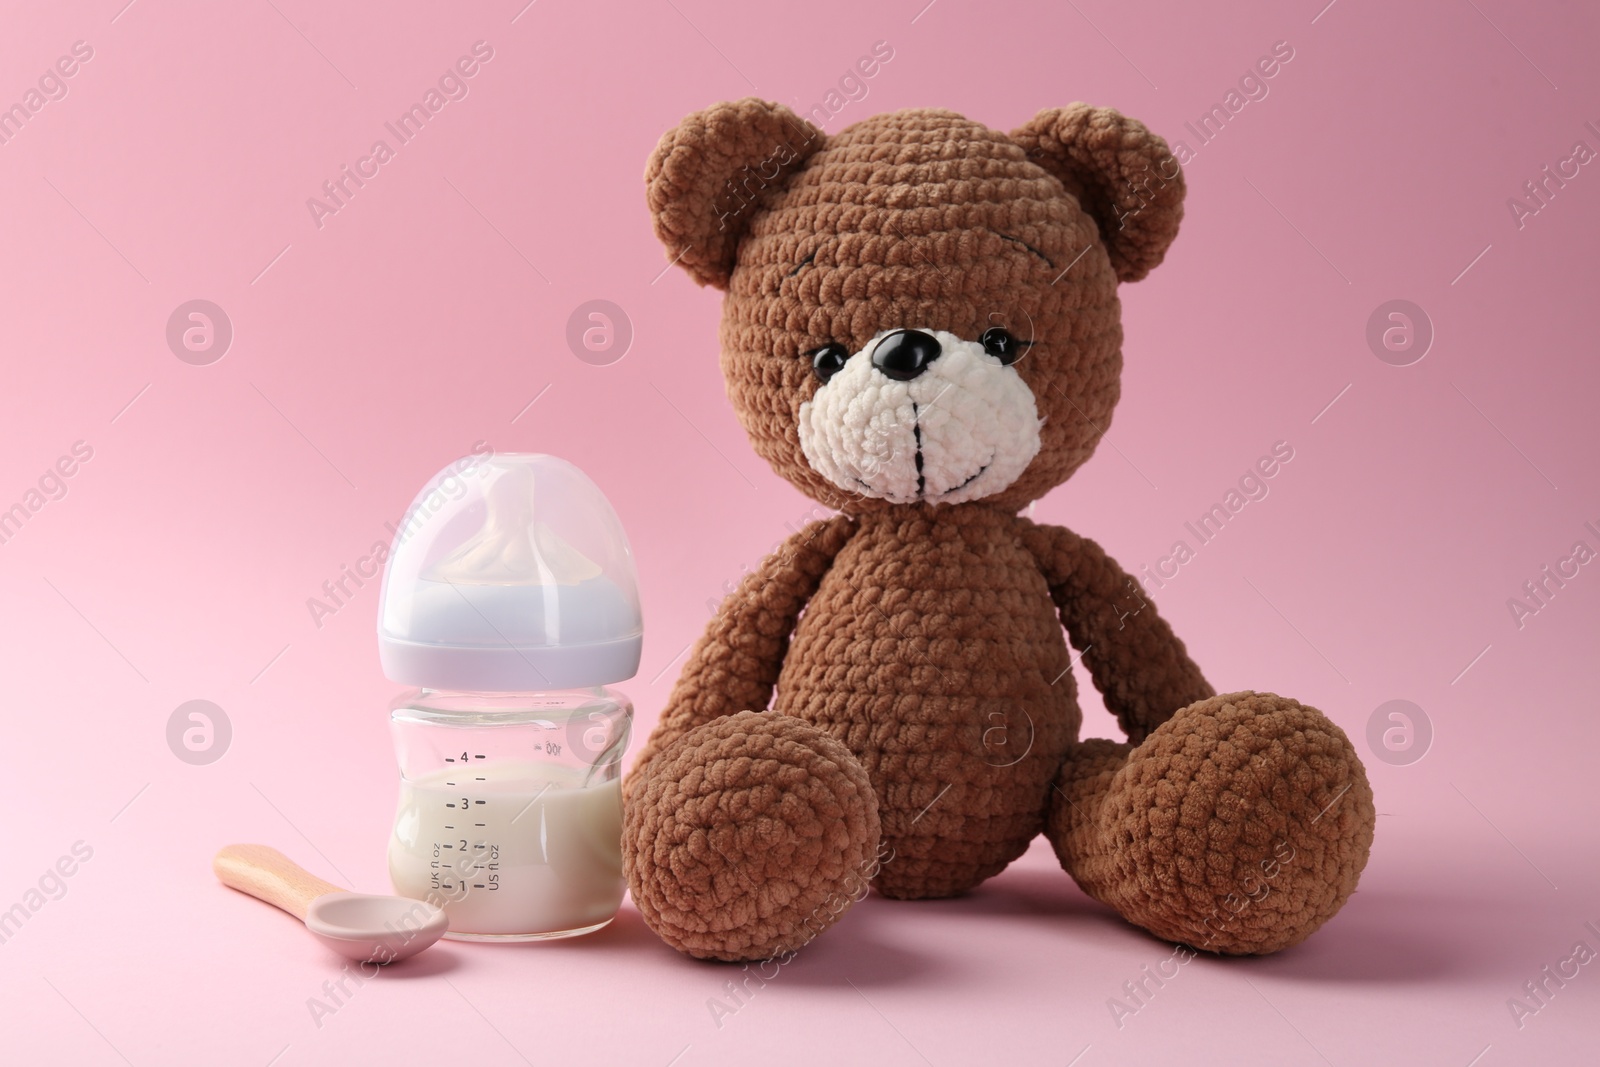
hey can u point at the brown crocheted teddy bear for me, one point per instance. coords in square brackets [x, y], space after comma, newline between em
[921, 330]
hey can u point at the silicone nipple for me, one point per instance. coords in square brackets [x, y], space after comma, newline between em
[512, 548]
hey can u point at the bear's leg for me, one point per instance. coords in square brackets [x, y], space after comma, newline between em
[749, 836]
[1239, 826]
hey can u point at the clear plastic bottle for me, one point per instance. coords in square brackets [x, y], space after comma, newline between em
[510, 602]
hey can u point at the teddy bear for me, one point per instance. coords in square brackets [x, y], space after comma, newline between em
[921, 332]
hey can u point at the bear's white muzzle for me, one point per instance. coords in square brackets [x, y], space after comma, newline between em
[965, 427]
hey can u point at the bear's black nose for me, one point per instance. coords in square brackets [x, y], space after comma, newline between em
[905, 354]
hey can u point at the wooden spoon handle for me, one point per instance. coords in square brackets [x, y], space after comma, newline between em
[269, 875]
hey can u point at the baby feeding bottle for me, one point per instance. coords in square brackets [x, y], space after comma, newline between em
[510, 603]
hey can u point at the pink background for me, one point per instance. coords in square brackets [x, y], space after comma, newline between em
[428, 312]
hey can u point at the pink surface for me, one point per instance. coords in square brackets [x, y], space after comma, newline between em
[430, 311]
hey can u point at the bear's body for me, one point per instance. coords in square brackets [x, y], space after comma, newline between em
[932, 650]
[921, 330]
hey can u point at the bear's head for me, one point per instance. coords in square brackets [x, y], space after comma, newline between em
[918, 309]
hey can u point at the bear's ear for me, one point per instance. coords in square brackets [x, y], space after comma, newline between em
[1122, 174]
[710, 174]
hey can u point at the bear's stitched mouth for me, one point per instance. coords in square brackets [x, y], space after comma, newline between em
[922, 493]
[916, 433]
[969, 481]
[922, 480]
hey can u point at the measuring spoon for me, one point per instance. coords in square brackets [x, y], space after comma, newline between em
[362, 926]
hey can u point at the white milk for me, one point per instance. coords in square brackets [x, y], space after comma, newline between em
[510, 848]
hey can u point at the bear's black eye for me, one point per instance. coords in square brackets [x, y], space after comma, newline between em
[998, 342]
[829, 360]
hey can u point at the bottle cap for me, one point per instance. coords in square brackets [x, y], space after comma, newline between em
[510, 573]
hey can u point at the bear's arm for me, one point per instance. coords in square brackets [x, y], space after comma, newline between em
[1140, 667]
[734, 666]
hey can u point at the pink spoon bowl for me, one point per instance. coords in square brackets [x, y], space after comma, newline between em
[367, 927]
